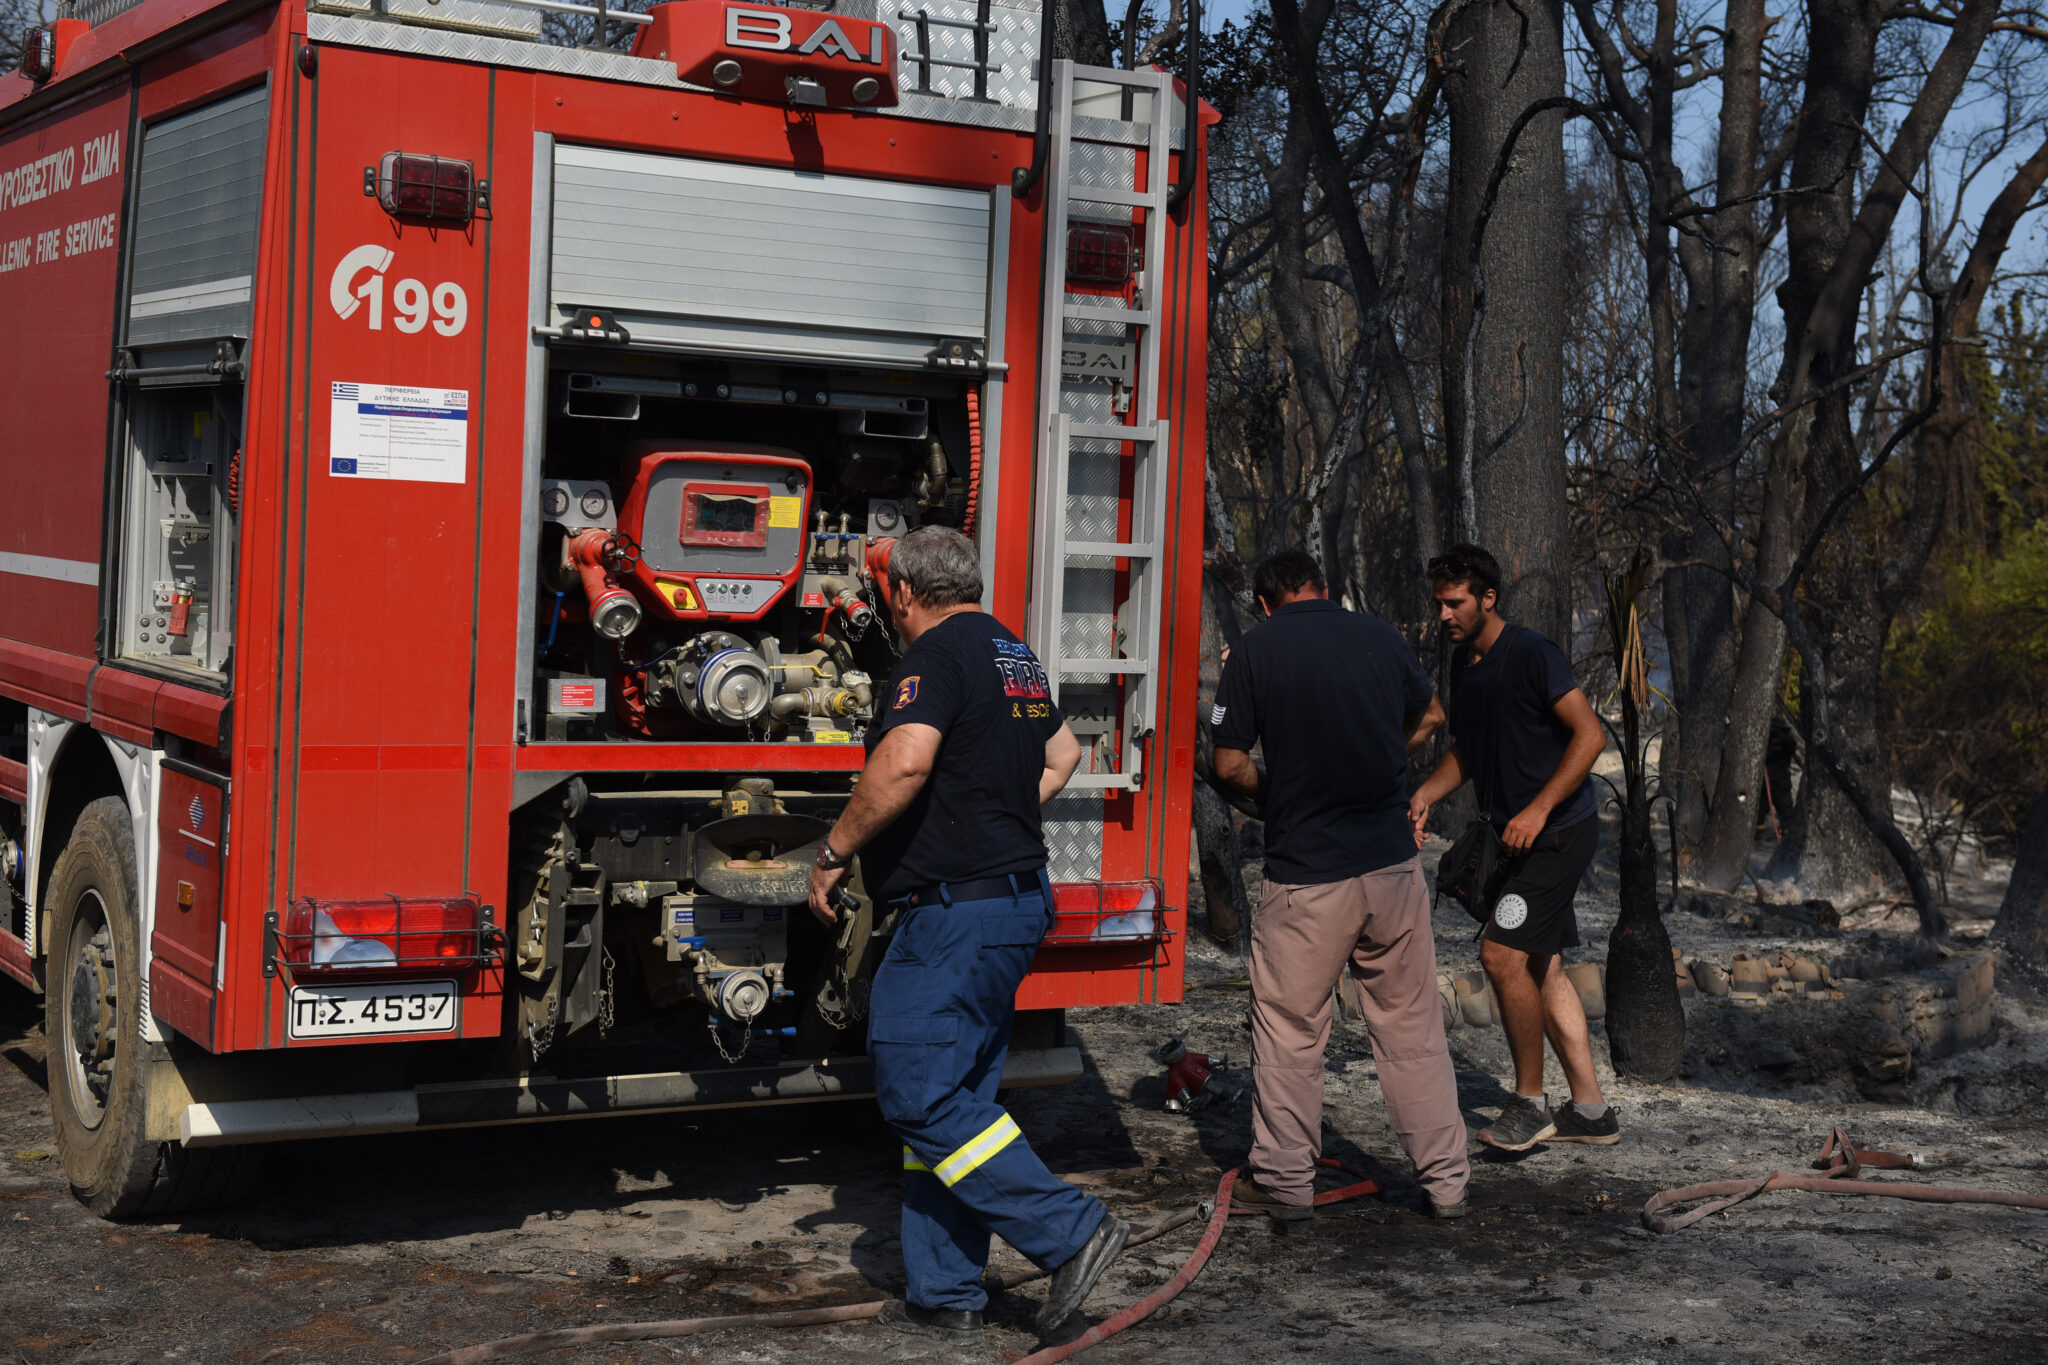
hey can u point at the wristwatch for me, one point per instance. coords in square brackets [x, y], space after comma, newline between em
[830, 858]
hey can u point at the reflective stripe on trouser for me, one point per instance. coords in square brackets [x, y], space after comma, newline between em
[938, 1030]
[1302, 938]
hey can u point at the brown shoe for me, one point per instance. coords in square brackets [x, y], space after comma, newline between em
[1248, 1196]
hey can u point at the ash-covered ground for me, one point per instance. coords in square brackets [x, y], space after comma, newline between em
[393, 1248]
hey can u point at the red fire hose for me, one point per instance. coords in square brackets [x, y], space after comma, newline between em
[1838, 1158]
[1219, 1214]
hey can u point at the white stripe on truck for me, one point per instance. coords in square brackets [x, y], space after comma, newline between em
[83, 571]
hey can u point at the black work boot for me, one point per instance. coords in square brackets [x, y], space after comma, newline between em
[954, 1326]
[1072, 1281]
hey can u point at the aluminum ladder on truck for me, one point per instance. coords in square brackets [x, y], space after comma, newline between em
[1085, 636]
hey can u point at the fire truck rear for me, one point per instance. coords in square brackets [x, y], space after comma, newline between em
[455, 449]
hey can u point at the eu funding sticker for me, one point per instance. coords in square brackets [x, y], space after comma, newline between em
[394, 431]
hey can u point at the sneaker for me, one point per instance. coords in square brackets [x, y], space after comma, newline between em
[1521, 1125]
[1072, 1281]
[1572, 1126]
[954, 1326]
[1248, 1196]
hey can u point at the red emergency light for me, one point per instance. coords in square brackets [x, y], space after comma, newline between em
[766, 52]
[432, 189]
[1099, 255]
[388, 934]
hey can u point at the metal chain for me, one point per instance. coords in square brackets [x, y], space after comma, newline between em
[746, 1039]
[604, 993]
[543, 1037]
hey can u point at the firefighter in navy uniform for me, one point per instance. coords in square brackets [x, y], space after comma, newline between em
[946, 819]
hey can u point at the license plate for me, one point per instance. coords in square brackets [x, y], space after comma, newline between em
[362, 1011]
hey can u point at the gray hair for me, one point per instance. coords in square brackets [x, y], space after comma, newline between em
[939, 564]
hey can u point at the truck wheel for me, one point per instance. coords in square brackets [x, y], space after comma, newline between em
[98, 1061]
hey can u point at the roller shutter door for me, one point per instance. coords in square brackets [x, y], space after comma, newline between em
[196, 217]
[747, 260]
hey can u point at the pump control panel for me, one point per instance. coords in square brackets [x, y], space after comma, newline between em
[720, 526]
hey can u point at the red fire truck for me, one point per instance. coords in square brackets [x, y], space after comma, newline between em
[454, 452]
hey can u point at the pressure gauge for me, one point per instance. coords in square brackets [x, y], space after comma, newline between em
[554, 500]
[594, 502]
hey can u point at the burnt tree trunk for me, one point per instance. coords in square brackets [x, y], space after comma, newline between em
[1219, 859]
[1720, 260]
[1081, 31]
[1839, 845]
[1645, 1018]
[1503, 387]
[2022, 925]
[1722, 860]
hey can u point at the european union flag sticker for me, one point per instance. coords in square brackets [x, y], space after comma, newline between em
[339, 465]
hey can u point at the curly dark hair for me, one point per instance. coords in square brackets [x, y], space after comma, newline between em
[1467, 564]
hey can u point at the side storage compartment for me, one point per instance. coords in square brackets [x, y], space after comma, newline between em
[185, 947]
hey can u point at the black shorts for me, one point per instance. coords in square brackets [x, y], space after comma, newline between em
[1532, 909]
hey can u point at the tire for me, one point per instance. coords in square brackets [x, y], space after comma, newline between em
[99, 1065]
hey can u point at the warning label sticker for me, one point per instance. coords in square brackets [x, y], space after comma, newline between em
[394, 431]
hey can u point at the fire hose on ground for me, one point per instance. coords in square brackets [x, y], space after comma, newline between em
[1839, 1161]
[1217, 1211]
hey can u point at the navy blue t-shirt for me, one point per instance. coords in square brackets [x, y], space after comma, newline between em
[1329, 693]
[977, 816]
[1510, 739]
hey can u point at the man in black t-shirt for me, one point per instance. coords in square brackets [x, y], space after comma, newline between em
[968, 746]
[1338, 702]
[1526, 739]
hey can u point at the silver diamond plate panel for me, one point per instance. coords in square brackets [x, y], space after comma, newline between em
[1095, 165]
[477, 47]
[1012, 49]
[468, 16]
[94, 11]
[966, 113]
[1073, 837]
[338, 6]
[1094, 477]
[1116, 130]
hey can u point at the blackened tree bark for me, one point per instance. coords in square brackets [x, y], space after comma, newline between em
[1503, 393]
[1081, 31]
[1218, 852]
[1720, 263]
[1863, 574]
[2022, 925]
[1700, 413]
[1722, 860]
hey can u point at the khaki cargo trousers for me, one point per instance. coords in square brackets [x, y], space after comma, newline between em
[1303, 937]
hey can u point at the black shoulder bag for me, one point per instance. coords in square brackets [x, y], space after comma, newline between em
[1467, 871]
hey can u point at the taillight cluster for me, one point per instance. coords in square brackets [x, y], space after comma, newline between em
[1107, 912]
[387, 934]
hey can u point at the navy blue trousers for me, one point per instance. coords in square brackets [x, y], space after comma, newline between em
[938, 1030]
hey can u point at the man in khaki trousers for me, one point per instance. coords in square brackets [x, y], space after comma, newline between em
[1338, 702]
